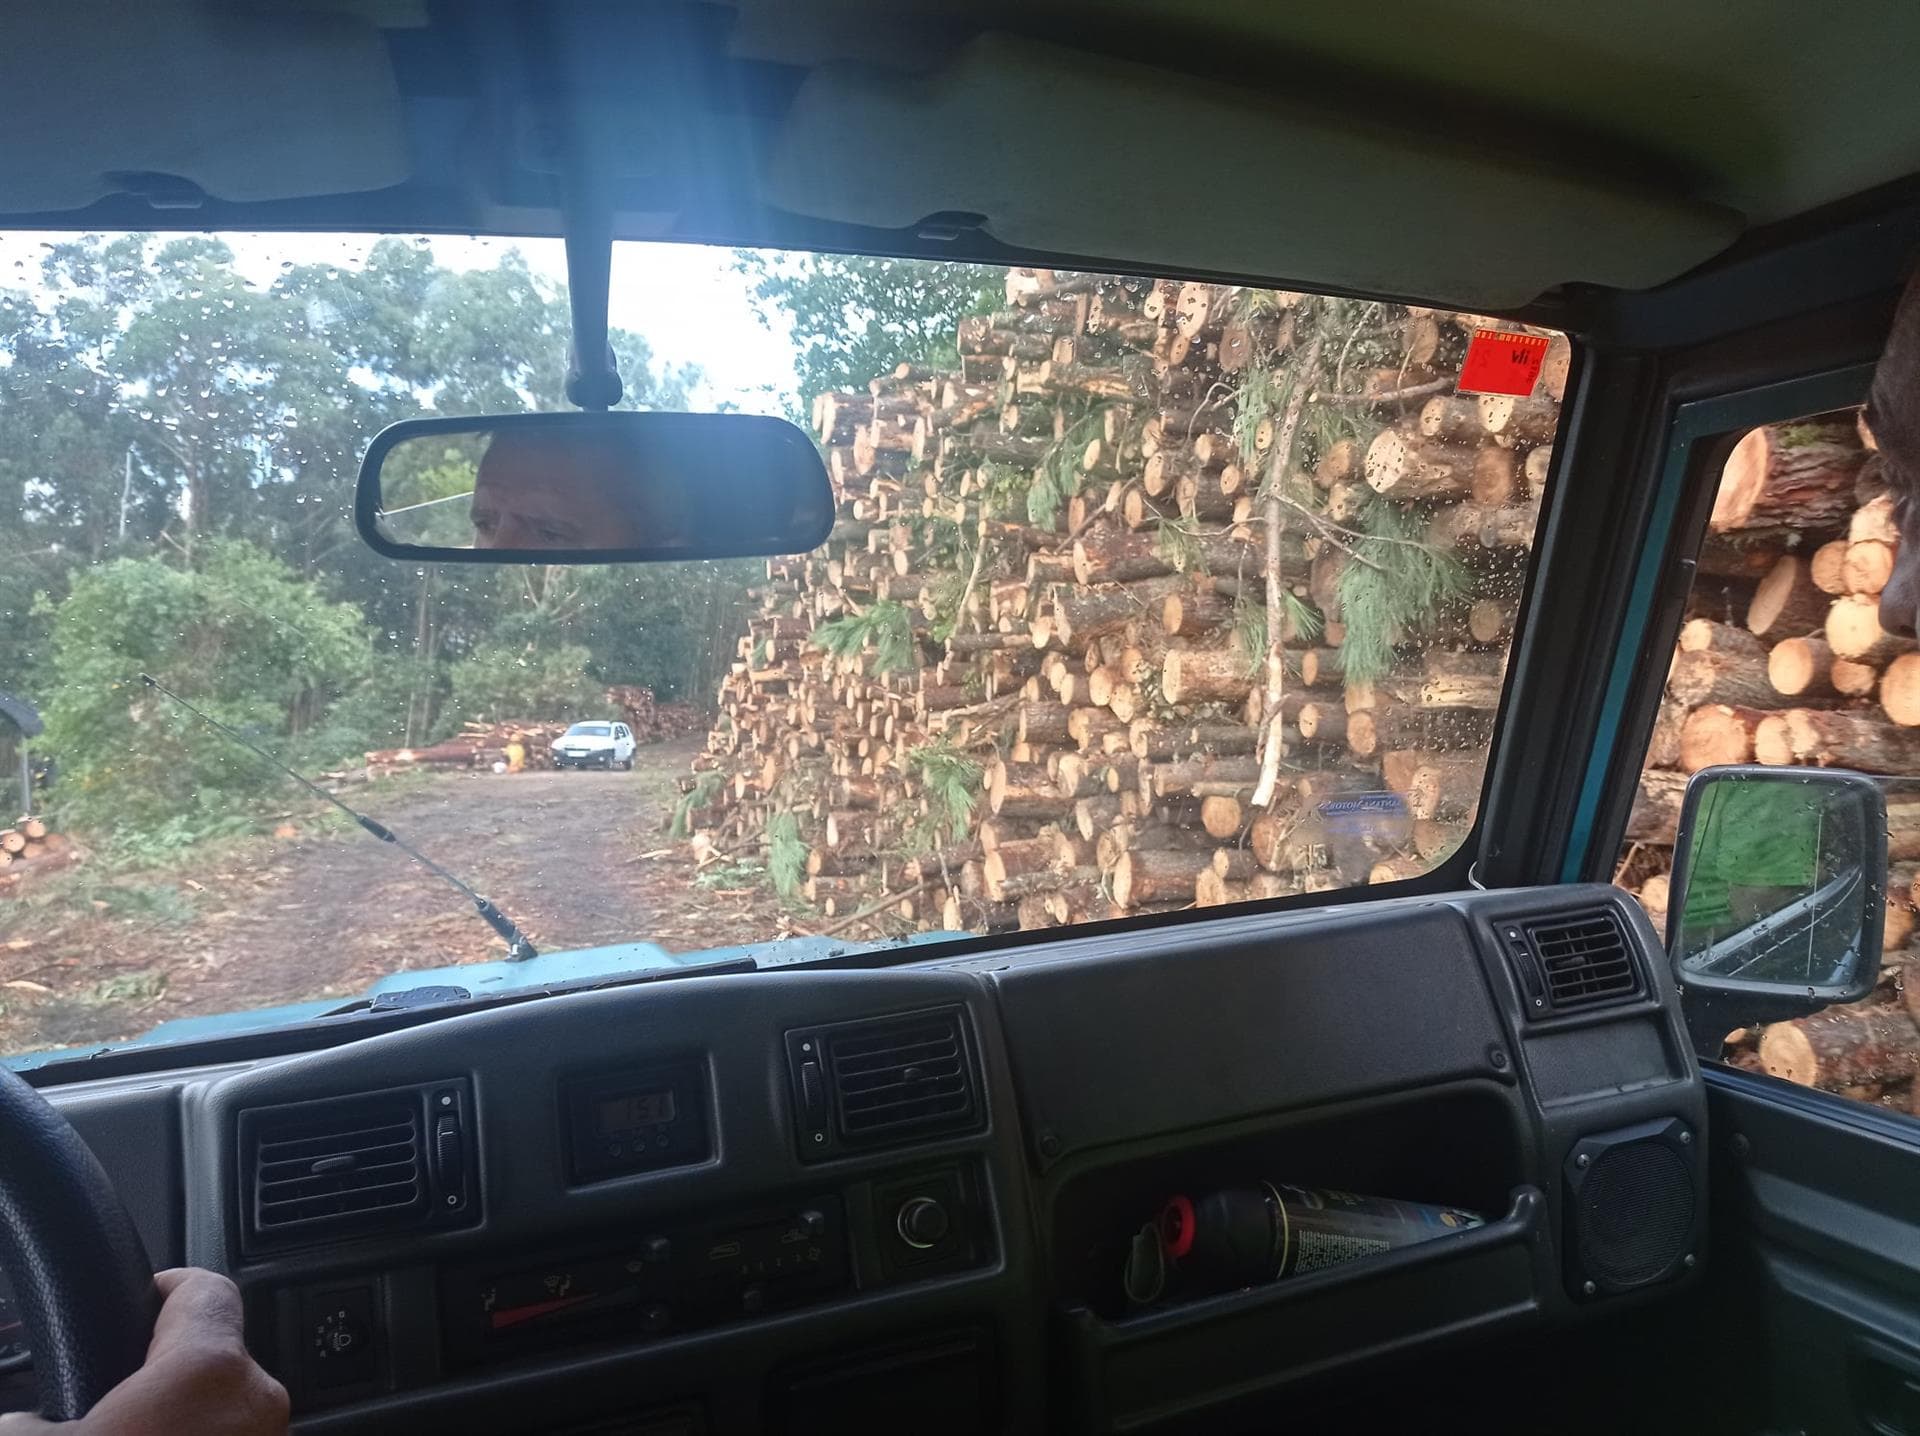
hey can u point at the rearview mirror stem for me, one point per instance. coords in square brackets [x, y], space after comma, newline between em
[593, 374]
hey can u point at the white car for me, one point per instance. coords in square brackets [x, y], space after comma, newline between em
[595, 745]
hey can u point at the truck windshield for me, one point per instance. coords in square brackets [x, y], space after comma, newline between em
[1144, 594]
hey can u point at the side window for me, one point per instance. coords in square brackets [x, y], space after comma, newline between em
[1782, 660]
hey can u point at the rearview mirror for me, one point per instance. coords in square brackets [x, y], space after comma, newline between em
[592, 488]
[1777, 907]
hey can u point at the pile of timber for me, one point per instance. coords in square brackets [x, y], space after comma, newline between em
[650, 721]
[1782, 660]
[1089, 662]
[30, 848]
[1869, 1051]
[477, 745]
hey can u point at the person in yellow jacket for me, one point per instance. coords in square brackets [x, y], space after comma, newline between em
[516, 754]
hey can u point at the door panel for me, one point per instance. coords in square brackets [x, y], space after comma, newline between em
[1819, 1218]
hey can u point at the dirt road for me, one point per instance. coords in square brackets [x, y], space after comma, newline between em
[578, 859]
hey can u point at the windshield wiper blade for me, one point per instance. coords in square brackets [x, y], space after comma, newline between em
[519, 949]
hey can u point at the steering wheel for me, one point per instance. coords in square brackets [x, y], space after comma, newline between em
[80, 1273]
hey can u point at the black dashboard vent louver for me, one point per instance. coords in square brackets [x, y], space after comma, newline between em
[1580, 960]
[324, 1169]
[900, 1077]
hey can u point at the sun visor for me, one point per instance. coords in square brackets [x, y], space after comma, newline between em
[273, 102]
[1075, 154]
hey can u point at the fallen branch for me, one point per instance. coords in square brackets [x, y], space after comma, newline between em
[871, 909]
[1263, 791]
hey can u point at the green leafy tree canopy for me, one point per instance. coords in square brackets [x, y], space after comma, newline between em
[855, 316]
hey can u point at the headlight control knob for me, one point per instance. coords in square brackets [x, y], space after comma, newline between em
[922, 1223]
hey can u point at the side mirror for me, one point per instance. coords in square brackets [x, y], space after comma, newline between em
[613, 487]
[1778, 891]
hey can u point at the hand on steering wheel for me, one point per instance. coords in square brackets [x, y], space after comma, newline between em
[104, 1347]
[197, 1376]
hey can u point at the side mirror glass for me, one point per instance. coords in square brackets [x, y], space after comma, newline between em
[612, 487]
[1778, 888]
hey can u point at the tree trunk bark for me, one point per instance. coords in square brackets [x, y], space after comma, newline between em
[1787, 602]
[1900, 690]
[1711, 676]
[1843, 1047]
[1207, 675]
[1854, 631]
[1718, 733]
[1656, 807]
[1402, 465]
[1798, 668]
[1779, 477]
[1150, 876]
[1835, 739]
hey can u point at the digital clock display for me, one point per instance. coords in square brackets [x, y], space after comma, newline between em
[633, 1109]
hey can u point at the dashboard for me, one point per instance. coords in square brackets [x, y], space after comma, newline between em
[922, 1197]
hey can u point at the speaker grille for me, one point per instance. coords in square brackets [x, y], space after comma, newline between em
[1636, 1213]
[1632, 1207]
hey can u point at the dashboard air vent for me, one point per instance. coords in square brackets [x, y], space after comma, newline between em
[900, 1076]
[317, 1171]
[1580, 960]
[883, 1081]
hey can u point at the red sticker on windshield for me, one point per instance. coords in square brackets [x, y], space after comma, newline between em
[1502, 362]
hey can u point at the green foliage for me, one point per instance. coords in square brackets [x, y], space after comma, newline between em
[1262, 396]
[946, 590]
[951, 781]
[243, 636]
[1176, 544]
[1799, 436]
[786, 855]
[157, 404]
[1394, 589]
[1250, 624]
[504, 680]
[730, 875]
[885, 624]
[854, 316]
[705, 789]
[1054, 483]
[1056, 479]
[126, 987]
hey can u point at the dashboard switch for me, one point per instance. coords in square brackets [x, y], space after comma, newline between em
[341, 1337]
[449, 1158]
[922, 1223]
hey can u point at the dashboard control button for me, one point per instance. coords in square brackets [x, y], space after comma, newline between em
[338, 1337]
[811, 1096]
[814, 1223]
[656, 1319]
[341, 1337]
[657, 1250]
[922, 1223]
[753, 1300]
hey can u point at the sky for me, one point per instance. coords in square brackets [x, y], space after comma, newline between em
[684, 299]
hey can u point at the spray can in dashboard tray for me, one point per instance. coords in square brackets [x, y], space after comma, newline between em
[1241, 1236]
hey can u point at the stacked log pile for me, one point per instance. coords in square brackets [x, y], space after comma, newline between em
[650, 721]
[477, 745]
[30, 848]
[1782, 660]
[1024, 683]
[481, 745]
